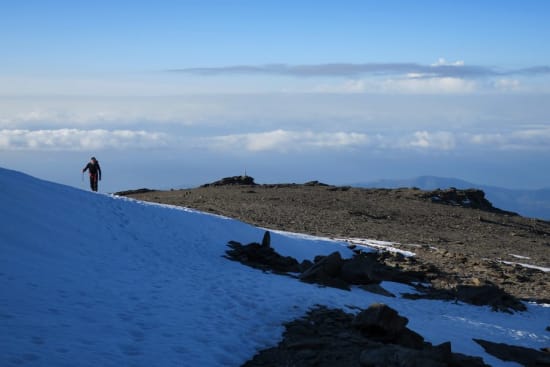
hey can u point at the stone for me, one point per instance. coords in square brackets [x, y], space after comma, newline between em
[380, 319]
[266, 240]
[524, 356]
[326, 271]
[262, 256]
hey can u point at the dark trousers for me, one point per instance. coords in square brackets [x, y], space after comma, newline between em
[93, 182]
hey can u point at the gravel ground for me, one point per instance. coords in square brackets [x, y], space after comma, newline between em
[469, 245]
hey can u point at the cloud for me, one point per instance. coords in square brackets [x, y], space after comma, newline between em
[441, 140]
[423, 140]
[439, 69]
[79, 140]
[441, 61]
[286, 140]
[525, 140]
[416, 85]
[507, 84]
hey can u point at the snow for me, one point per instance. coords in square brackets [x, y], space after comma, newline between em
[530, 266]
[89, 279]
[367, 244]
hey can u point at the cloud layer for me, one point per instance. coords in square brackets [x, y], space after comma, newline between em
[437, 141]
[78, 140]
[439, 69]
[279, 140]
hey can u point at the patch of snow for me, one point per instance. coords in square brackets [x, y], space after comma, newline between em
[541, 268]
[519, 256]
[375, 244]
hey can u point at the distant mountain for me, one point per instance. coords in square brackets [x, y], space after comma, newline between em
[529, 203]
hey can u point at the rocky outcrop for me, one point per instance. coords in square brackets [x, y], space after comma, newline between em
[377, 336]
[133, 192]
[525, 356]
[368, 270]
[234, 180]
[362, 269]
[479, 295]
[470, 198]
[263, 256]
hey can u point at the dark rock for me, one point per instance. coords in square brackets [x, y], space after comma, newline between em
[489, 294]
[305, 265]
[133, 192]
[479, 295]
[234, 180]
[315, 183]
[398, 356]
[262, 256]
[470, 198]
[266, 240]
[326, 338]
[379, 319]
[382, 323]
[358, 269]
[326, 271]
[526, 356]
[377, 289]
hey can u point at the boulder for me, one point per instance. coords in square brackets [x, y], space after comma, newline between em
[326, 271]
[489, 294]
[358, 270]
[327, 338]
[262, 256]
[525, 356]
[382, 323]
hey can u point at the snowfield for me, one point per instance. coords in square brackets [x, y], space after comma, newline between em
[89, 279]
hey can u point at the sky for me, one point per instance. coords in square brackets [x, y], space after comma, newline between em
[170, 94]
[108, 281]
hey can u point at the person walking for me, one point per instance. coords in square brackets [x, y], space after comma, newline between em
[95, 172]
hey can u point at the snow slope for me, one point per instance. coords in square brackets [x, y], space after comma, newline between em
[89, 279]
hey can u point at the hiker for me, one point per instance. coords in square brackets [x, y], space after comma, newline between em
[95, 172]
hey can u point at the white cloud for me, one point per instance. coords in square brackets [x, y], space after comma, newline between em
[441, 140]
[527, 140]
[507, 84]
[78, 140]
[417, 85]
[442, 62]
[285, 140]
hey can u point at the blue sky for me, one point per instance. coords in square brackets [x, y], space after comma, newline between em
[172, 93]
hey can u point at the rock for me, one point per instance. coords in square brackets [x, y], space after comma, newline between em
[234, 180]
[470, 198]
[314, 183]
[326, 338]
[266, 240]
[326, 271]
[524, 356]
[489, 294]
[397, 356]
[262, 256]
[357, 270]
[377, 289]
[485, 295]
[133, 192]
[379, 319]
